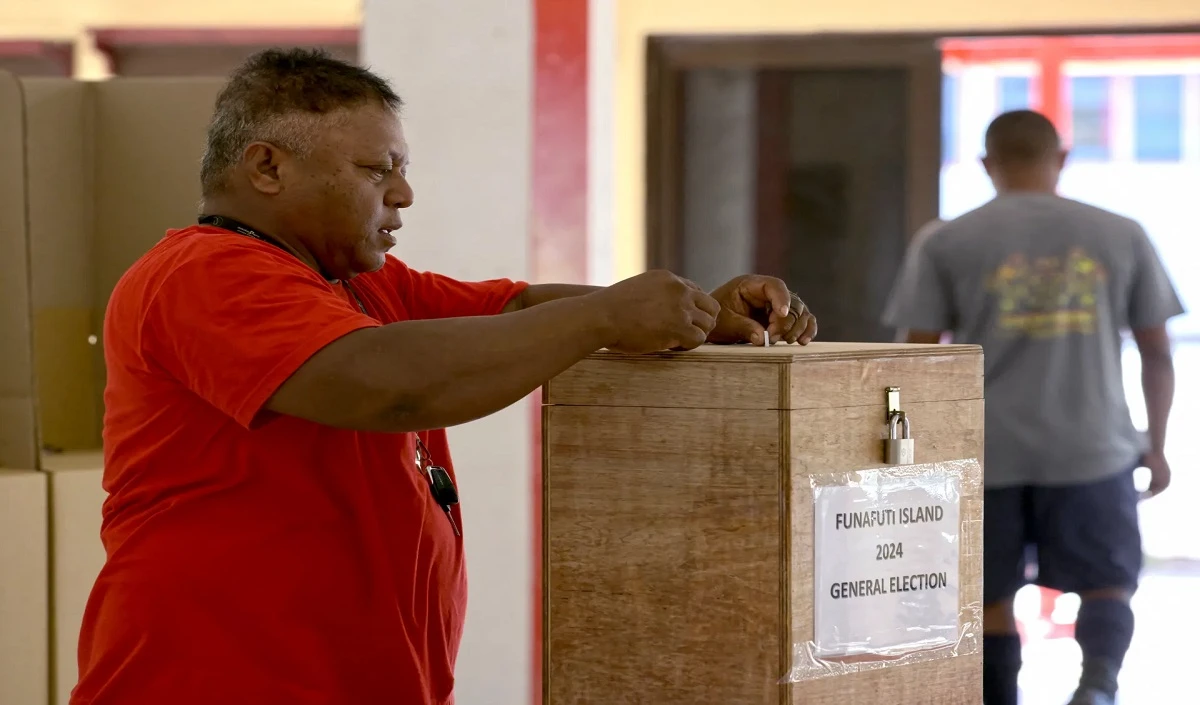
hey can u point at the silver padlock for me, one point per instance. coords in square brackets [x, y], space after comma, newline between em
[900, 446]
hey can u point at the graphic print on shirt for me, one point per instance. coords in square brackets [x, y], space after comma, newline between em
[1048, 297]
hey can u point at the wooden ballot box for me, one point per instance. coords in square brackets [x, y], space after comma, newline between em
[721, 527]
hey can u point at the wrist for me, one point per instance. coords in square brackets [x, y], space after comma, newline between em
[601, 325]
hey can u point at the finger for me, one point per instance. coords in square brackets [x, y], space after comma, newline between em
[704, 321]
[766, 293]
[744, 329]
[692, 285]
[796, 329]
[693, 339]
[810, 329]
[707, 304]
[780, 327]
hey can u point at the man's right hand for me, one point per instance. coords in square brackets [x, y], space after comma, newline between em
[657, 311]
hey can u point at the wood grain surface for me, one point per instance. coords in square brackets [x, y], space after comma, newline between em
[833, 441]
[662, 556]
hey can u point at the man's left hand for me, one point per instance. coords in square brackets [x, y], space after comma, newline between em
[752, 304]
[1160, 473]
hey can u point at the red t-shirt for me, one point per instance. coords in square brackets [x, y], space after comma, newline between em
[254, 558]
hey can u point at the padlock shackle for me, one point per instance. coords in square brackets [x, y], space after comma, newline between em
[899, 422]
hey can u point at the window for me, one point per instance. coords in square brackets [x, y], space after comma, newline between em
[949, 118]
[1158, 118]
[1090, 118]
[1012, 93]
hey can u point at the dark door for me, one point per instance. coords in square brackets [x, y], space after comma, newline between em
[811, 159]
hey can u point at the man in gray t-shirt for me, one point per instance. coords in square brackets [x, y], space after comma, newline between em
[1046, 285]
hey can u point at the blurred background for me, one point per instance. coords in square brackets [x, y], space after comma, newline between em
[578, 140]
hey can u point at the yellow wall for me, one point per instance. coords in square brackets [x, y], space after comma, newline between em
[637, 19]
[68, 19]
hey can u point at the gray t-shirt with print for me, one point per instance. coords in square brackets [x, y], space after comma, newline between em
[1046, 285]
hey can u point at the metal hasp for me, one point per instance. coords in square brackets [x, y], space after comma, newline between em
[899, 447]
[893, 402]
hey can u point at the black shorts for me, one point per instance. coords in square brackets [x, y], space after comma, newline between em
[1078, 537]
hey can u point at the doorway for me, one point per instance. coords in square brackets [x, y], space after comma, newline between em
[762, 157]
[774, 154]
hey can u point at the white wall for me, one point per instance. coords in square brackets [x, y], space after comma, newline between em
[465, 71]
[602, 152]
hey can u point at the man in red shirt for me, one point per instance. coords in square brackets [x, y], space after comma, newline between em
[282, 526]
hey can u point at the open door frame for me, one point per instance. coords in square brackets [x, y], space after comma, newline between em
[669, 57]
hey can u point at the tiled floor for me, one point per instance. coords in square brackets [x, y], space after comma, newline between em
[1161, 666]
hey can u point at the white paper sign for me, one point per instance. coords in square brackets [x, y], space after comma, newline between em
[886, 563]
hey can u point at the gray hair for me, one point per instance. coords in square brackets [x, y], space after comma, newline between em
[286, 98]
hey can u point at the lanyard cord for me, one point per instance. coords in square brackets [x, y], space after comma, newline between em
[234, 226]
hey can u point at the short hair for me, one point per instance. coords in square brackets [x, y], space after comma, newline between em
[1021, 137]
[283, 96]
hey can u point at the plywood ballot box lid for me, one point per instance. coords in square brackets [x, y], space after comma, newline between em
[722, 526]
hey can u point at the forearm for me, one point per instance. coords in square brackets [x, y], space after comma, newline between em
[451, 371]
[537, 294]
[1158, 388]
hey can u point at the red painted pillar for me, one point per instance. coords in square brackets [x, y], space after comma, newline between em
[560, 149]
[1052, 102]
[558, 241]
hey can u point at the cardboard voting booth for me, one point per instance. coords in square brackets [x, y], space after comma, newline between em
[91, 176]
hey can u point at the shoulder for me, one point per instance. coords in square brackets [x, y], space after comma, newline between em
[1121, 237]
[931, 237]
[394, 277]
[393, 268]
[207, 261]
[200, 247]
[1001, 216]
[927, 231]
[1111, 221]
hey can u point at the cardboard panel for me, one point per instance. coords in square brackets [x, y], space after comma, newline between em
[110, 167]
[149, 137]
[59, 182]
[76, 557]
[149, 140]
[18, 407]
[24, 590]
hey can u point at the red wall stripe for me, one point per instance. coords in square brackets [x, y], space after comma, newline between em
[1073, 48]
[558, 241]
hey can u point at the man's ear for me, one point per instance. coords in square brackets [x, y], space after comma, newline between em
[261, 162]
[1062, 158]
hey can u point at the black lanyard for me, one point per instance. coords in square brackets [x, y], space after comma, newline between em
[235, 226]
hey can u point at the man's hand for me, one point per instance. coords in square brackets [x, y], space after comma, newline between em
[1160, 473]
[753, 303]
[657, 311]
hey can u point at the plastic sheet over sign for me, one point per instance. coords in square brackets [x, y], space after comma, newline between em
[888, 547]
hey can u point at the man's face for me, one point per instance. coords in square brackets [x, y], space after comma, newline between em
[343, 200]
